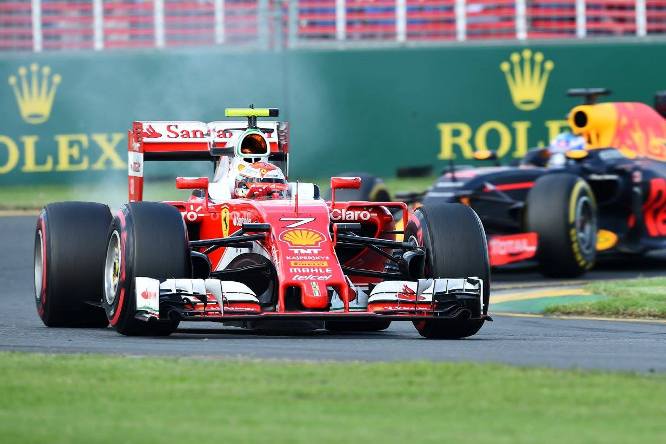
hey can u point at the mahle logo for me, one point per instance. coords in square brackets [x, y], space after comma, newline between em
[527, 77]
[35, 91]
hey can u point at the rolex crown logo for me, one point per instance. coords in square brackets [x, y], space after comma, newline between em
[35, 89]
[527, 77]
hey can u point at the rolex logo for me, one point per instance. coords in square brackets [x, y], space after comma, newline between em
[527, 77]
[35, 90]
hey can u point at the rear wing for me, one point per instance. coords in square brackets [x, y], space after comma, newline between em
[192, 140]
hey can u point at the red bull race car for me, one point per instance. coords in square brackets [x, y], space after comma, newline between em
[251, 249]
[599, 189]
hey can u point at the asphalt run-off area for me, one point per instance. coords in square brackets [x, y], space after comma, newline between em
[517, 336]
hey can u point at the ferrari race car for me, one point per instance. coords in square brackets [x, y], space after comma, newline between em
[251, 249]
[601, 189]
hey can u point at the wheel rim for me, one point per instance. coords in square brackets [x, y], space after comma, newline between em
[39, 265]
[586, 225]
[112, 268]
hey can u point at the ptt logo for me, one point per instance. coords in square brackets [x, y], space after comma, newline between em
[302, 238]
[342, 214]
[148, 294]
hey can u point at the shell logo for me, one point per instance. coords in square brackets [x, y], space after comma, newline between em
[302, 238]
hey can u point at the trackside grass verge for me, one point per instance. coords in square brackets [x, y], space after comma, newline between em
[102, 399]
[634, 298]
[114, 193]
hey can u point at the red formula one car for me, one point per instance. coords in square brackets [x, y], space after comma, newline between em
[251, 249]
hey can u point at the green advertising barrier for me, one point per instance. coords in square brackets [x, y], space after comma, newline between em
[65, 116]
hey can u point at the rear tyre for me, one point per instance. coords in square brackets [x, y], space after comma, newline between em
[70, 242]
[562, 210]
[359, 326]
[146, 239]
[456, 247]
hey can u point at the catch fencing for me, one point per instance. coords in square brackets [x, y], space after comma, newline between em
[46, 25]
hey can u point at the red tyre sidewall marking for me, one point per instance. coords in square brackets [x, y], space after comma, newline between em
[42, 296]
[121, 280]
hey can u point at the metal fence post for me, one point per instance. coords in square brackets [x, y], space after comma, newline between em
[401, 20]
[262, 24]
[219, 22]
[292, 23]
[158, 17]
[641, 18]
[98, 25]
[461, 20]
[521, 19]
[581, 21]
[340, 19]
[36, 12]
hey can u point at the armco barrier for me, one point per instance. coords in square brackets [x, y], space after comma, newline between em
[64, 116]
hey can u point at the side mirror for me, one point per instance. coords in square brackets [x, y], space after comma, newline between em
[485, 155]
[344, 183]
[192, 183]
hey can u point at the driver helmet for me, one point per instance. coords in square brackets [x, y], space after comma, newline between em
[258, 173]
[253, 144]
[560, 145]
[565, 142]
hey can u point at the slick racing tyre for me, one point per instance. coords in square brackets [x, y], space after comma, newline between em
[70, 243]
[145, 239]
[562, 210]
[373, 189]
[455, 244]
[359, 326]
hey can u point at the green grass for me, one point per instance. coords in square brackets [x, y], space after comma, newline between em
[87, 398]
[29, 197]
[634, 298]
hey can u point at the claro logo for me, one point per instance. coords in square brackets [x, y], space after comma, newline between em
[342, 214]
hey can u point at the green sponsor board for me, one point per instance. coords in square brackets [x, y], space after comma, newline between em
[65, 116]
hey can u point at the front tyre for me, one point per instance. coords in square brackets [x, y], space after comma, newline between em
[70, 241]
[146, 239]
[455, 244]
[562, 210]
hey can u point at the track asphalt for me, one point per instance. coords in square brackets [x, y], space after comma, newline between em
[531, 341]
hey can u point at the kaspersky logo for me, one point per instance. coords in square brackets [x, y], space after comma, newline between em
[527, 77]
[35, 90]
